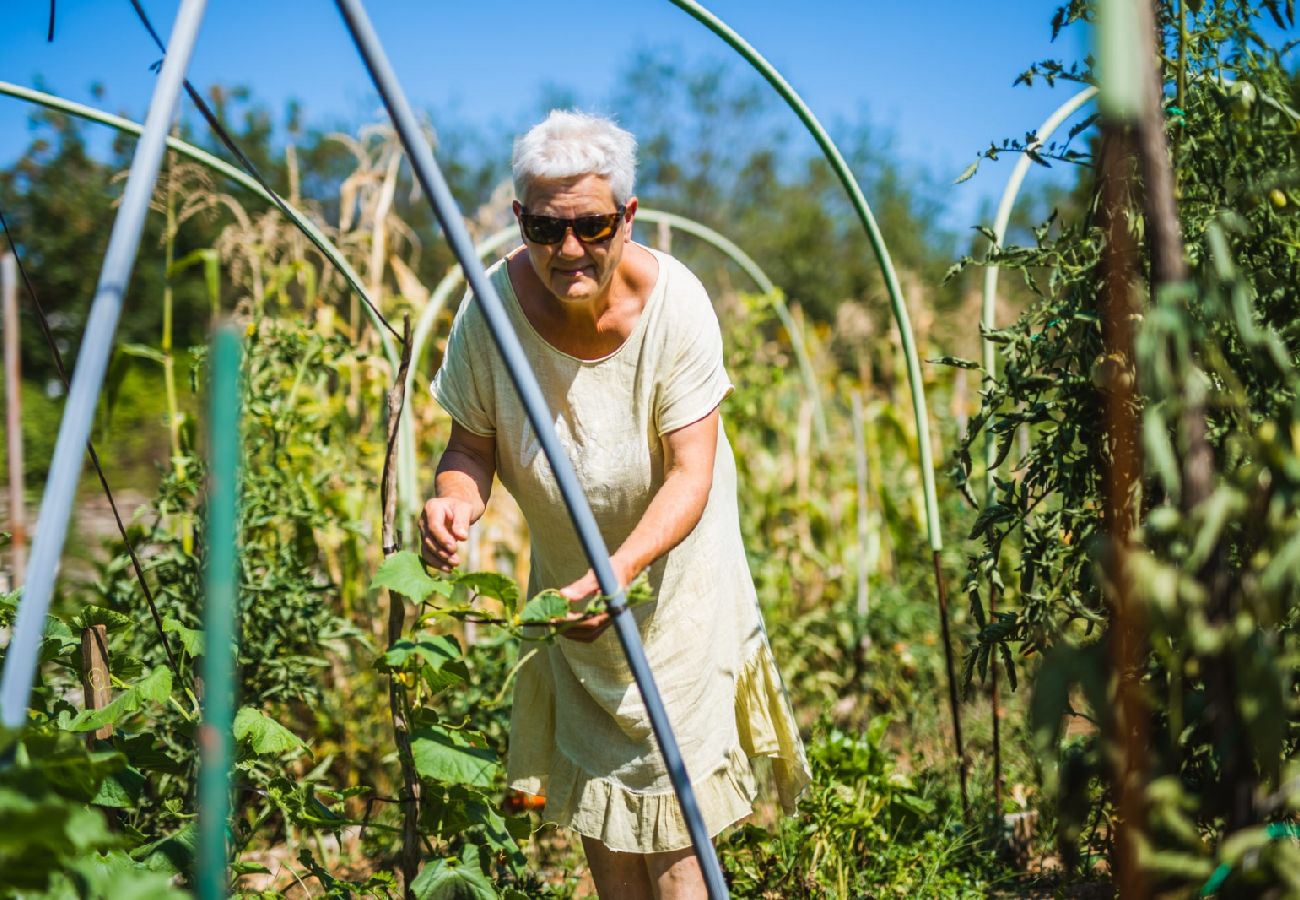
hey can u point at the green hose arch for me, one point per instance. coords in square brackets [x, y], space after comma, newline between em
[841, 168]
[202, 157]
[988, 313]
[445, 288]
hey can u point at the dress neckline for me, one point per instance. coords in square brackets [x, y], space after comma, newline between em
[517, 310]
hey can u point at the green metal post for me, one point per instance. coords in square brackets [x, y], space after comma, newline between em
[216, 741]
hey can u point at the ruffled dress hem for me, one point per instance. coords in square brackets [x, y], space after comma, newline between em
[632, 822]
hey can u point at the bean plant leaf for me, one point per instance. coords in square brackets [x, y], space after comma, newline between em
[968, 173]
[447, 756]
[404, 573]
[545, 607]
[263, 734]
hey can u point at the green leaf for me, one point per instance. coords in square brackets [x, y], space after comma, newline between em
[155, 687]
[191, 638]
[445, 880]
[447, 756]
[404, 573]
[955, 362]
[143, 351]
[101, 615]
[968, 173]
[121, 789]
[490, 584]
[436, 656]
[263, 734]
[173, 854]
[545, 607]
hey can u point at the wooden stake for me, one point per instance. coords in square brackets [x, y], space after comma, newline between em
[95, 681]
[14, 418]
[397, 699]
[860, 455]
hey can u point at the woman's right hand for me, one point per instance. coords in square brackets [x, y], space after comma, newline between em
[444, 523]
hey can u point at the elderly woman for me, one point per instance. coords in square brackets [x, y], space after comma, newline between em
[626, 346]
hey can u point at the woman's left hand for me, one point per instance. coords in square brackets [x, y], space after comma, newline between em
[586, 627]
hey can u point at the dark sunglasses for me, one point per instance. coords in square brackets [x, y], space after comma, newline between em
[588, 229]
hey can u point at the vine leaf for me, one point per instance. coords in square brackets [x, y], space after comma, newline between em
[436, 656]
[544, 608]
[404, 573]
[444, 880]
[490, 584]
[154, 687]
[263, 734]
[449, 757]
[191, 638]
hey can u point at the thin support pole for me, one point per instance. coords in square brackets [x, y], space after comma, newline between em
[399, 706]
[453, 226]
[96, 683]
[14, 417]
[221, 577]
[74, 430]
[953, 701]
[897, 303]
[864, 525]
[988, 322]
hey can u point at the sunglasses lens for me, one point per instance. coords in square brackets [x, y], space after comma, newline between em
[594, 228]
[588, 229]
[543, 229]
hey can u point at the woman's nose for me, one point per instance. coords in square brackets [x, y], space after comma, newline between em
[570, 245]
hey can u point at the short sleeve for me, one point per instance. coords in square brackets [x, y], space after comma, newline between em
[463, 384]
[695, 381]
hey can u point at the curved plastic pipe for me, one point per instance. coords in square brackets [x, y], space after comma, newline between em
[841, 168]
[443, 291]
[22, 658]
[988, 317]
[202, 157]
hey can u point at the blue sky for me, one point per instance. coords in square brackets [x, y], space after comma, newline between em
[937, 75]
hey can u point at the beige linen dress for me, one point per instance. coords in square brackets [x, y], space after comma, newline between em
[579, 732]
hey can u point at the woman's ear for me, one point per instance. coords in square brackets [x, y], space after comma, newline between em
[517, 207]
[629, 213]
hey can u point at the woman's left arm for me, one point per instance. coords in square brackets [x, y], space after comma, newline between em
[673, 512]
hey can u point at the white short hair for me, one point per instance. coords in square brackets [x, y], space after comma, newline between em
[568, 143]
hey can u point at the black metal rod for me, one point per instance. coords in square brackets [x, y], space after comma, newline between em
[521, 373]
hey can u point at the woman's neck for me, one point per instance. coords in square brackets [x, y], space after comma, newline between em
[588, 328]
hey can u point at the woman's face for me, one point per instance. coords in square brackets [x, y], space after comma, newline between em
[572, 270]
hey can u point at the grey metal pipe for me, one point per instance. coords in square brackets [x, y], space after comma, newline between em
[83, 396]
[444, 207]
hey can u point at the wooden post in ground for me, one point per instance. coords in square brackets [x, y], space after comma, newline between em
[14, 416]
[864, 528]
[398, 701]
[95, 683]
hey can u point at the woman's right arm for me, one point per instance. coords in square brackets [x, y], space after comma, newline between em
[462, 487]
